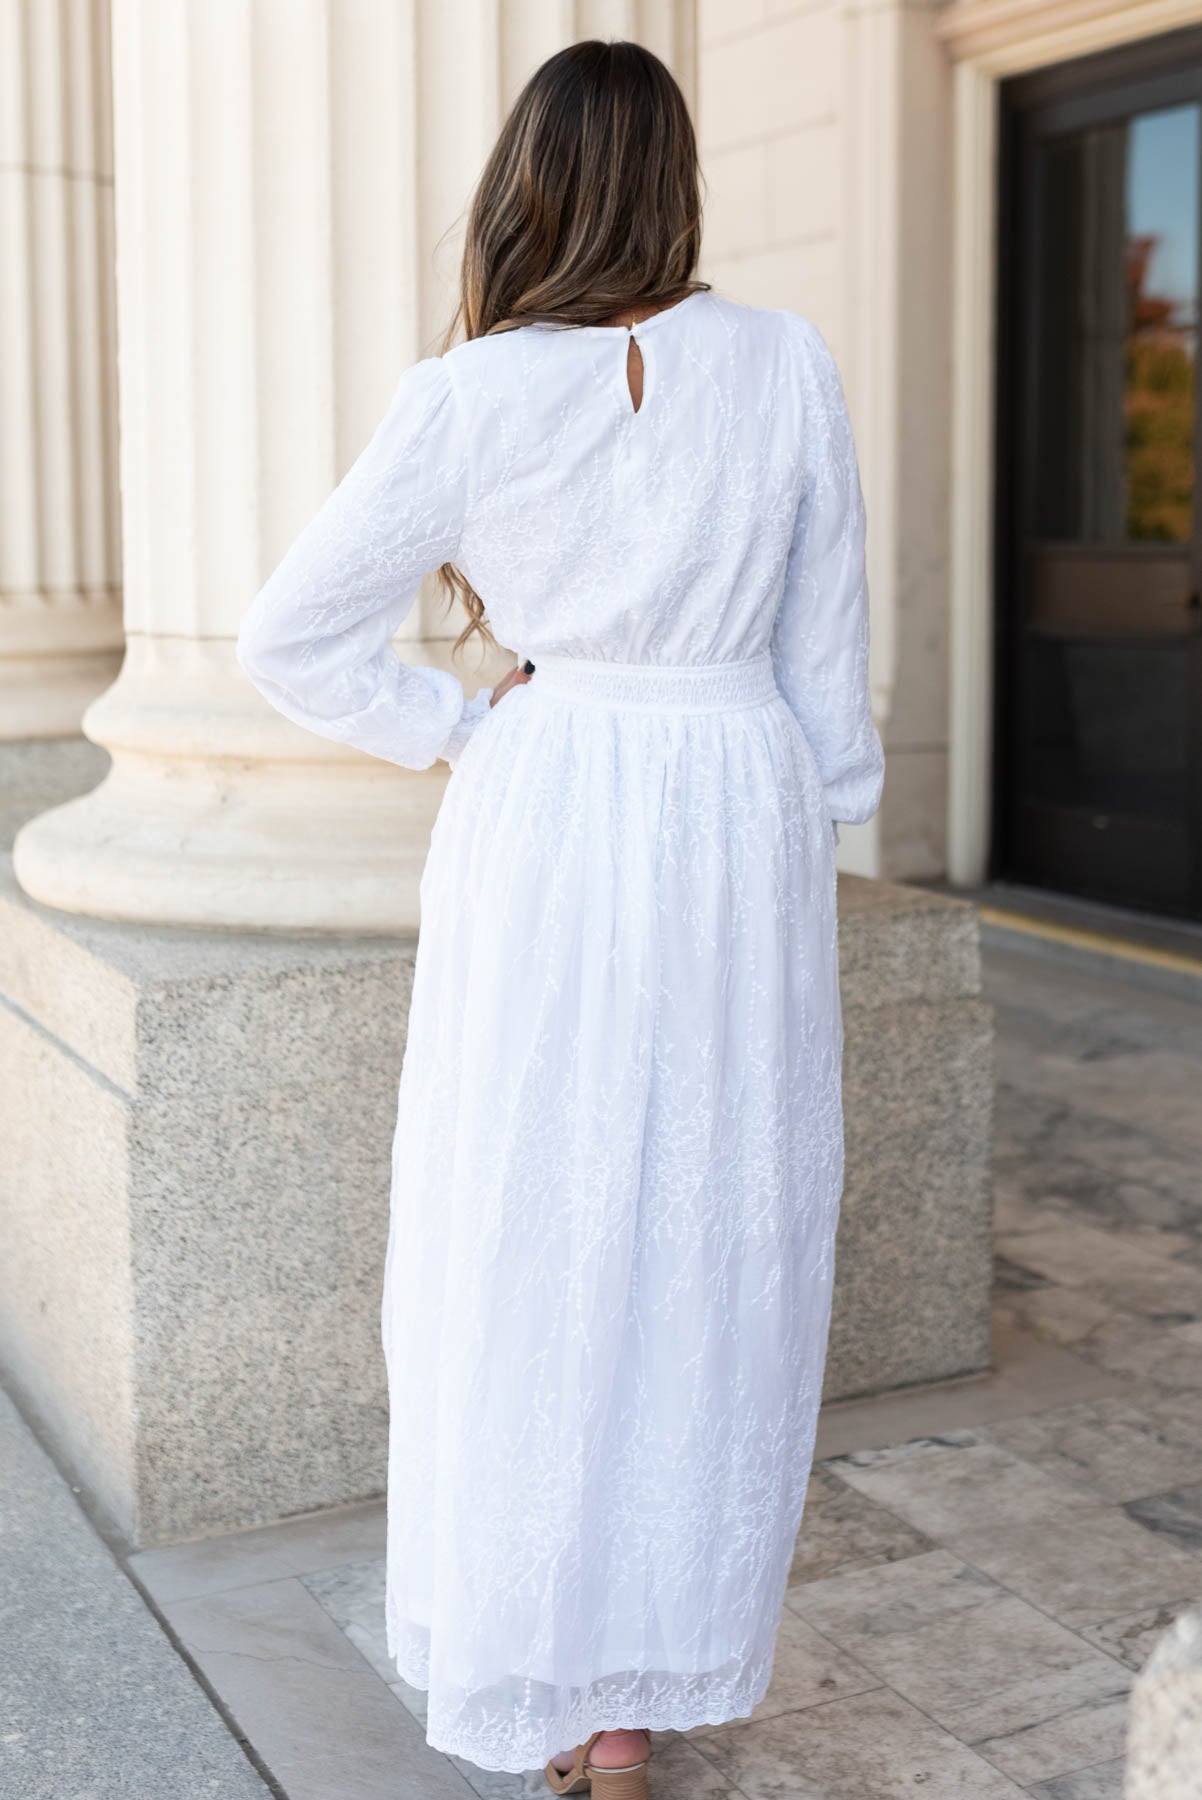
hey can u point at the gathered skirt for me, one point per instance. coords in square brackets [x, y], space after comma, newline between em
[616, 1177]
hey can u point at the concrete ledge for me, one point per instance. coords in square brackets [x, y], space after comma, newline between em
[96, 1700]
[198, 1127]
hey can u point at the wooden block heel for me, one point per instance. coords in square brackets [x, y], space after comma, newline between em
[620, 1784]
[606, 1784]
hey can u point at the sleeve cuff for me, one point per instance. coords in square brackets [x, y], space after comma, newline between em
[474, 711]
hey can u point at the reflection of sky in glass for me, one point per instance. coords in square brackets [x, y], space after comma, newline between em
[1162, 199]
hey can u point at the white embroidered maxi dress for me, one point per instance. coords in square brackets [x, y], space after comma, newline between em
[618, 1155]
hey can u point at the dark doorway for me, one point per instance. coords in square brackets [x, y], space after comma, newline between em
[1099, 738]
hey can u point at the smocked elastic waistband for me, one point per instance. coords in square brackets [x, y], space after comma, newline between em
[652, 687]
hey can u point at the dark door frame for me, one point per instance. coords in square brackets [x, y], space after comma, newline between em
[1142, 76]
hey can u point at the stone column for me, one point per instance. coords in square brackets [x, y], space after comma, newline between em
[291, 183]
[60, 601]
[271, 242]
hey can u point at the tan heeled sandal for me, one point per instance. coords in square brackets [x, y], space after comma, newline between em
[606, 1784]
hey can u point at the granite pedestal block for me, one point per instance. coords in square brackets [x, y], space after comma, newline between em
[194, 1198]
[196, 1131]
[913, 1264]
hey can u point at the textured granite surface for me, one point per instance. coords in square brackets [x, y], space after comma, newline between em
[912, 1268]
[196, 1210]
[904, 943]
[97, 1703]
[197, 1199]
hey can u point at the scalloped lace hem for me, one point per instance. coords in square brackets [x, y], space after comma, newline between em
[513, 1746]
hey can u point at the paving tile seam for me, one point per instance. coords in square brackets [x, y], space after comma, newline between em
[876, 1685]
[207, 1687]
[894, 1517]
[1092, 1652]
[1044, 1780]
[883, 1687]
[328, 1671]
[887, 1687]
[287, 1656]
[873, 1680]
[1076, 1631]
[941, 1452]
[262, 1581]
[1102, 1763]
[699, 1745]
[997, 1738]
[1188, 1603]
[1079, 1710]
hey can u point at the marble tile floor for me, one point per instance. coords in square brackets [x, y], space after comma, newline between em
[983, 1564]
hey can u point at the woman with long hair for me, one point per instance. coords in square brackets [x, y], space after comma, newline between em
[619, 1150]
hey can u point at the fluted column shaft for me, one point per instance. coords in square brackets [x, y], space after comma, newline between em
[60, 601]
[269, 248]
[291, 181]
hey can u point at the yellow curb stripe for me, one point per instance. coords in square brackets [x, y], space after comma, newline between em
[1120, 948]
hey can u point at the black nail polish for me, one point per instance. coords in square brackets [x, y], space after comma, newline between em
[527, 667]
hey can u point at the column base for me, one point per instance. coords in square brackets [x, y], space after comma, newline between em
[217, 812]
[265, 849]
[44, 772]
[47, 696]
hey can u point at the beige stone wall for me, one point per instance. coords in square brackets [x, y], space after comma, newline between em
[851, 156]
[825, 132]
[769, 115]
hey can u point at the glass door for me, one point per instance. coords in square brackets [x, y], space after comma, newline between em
[1100, 647]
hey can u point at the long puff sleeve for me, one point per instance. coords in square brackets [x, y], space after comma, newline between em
[820, 638]
[317, 640]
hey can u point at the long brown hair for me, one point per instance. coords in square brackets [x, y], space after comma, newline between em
[589, 205]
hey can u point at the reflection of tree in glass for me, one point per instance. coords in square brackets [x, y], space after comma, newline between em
[1158, 408]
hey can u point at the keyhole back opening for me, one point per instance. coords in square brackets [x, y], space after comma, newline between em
[634, 371]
